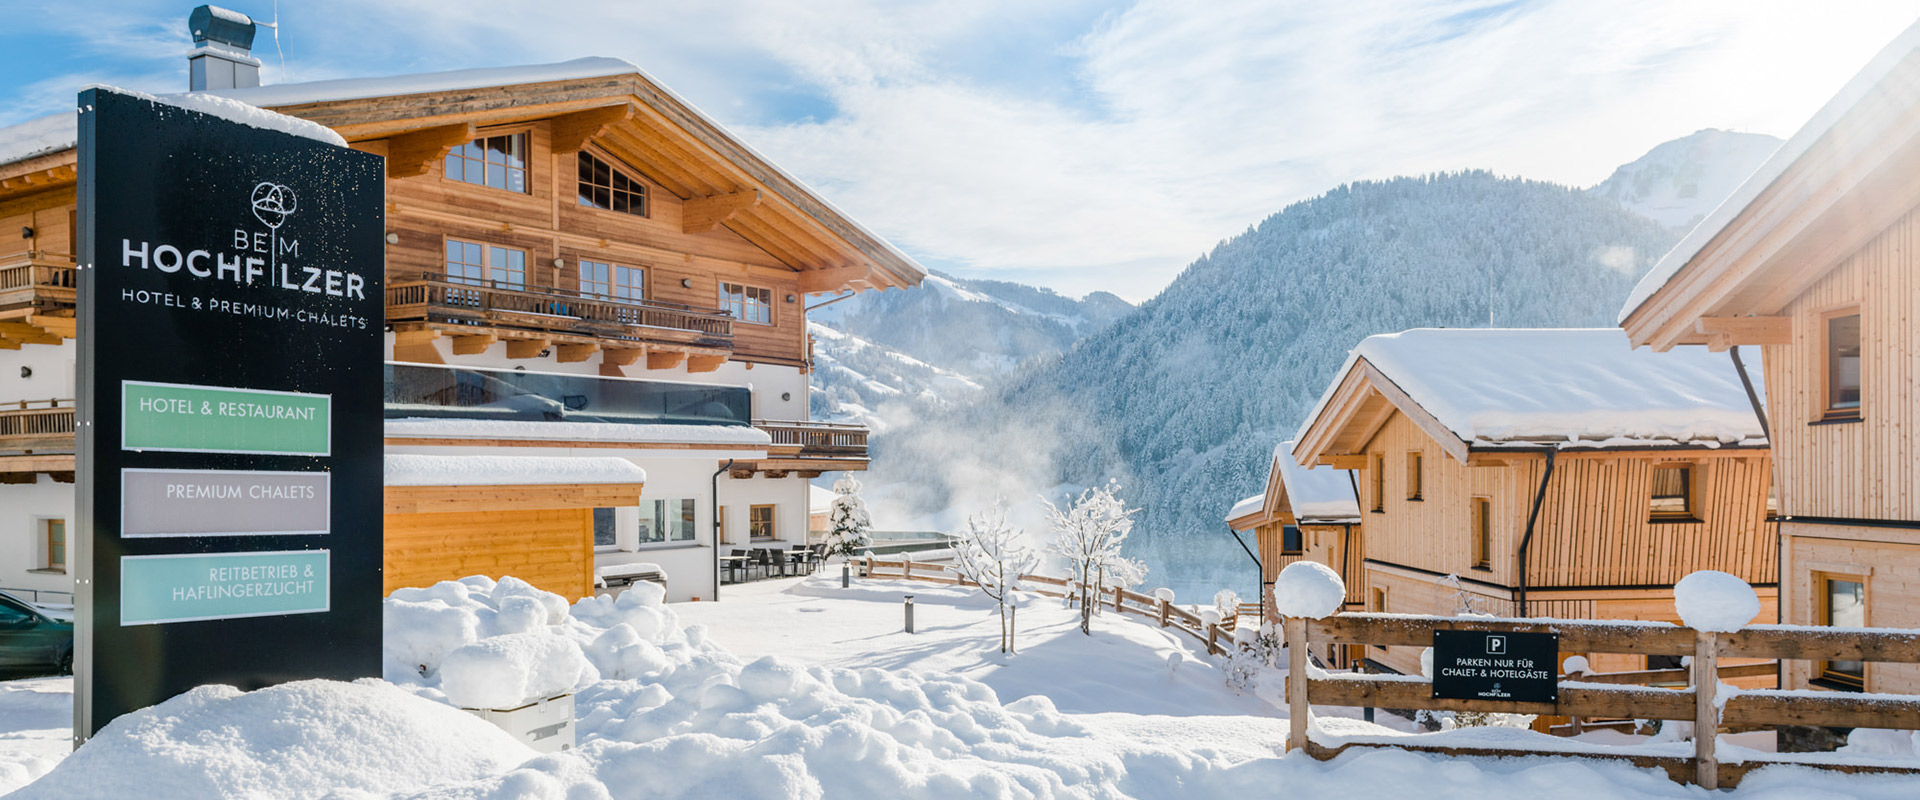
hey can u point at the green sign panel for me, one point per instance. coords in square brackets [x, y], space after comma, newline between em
[190, 587]
[212, 419]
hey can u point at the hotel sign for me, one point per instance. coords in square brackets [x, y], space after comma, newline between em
[229, 444]
[1502, 667]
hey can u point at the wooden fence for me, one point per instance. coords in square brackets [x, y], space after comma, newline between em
[1217, 637]
[1696, 703]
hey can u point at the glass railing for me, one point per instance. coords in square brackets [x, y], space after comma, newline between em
[417, 390]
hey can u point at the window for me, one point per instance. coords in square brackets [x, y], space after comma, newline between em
[478, 264]
[603, 187]
[496, 161]
[760, 522]
[53, 535]
[747, 303]
[1290, 540]
[1843, 603]
[720, 524]
[1482, 533]
[666, 521]
[1379, 472]
[1380, 607]
[1673, 492]
[1843, 366]
[604, 536]
[1413, 476]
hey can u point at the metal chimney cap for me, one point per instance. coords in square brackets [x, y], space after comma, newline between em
[221, 26]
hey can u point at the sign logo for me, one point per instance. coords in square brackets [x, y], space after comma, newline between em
[273, 203]
[1496, 646]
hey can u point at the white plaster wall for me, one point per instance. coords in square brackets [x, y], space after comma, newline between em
[52, 377]
[779, 392]
[22, 506]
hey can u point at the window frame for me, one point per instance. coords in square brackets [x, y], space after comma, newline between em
[43, 532]
[486, 265]
[615, 168]
[1416, 476]
[1690, 494]
[606, 548]
[1829, 411]
[693, 523]
[1299, 541]
[738, 312]
[1823, 674]
[523, 133]
[772, 523]
[1379, 464]
[621, 282]
[1480, 512]
[720, 525]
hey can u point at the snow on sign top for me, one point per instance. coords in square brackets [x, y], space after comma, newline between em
[1816, 128]
[1321, 494]
[1576, 387]
[56, 132]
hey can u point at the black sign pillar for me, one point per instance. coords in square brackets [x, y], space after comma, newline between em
[228, 473]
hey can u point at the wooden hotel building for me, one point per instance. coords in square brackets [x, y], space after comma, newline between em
[1813, 264]
[1306, 514]
[1543, 473]
[596, 303]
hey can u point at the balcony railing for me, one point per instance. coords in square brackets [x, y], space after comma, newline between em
[38, 280]
[433, 297]
[818, 439]
[46, 428]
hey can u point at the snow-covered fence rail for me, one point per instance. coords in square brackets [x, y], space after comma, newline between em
[1216, 636]
[1696, 703]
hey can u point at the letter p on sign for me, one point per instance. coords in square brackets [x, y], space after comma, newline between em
[1496, 645]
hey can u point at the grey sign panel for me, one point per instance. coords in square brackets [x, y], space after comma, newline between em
[223, 502]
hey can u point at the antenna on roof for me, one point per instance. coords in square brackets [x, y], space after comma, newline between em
[275, 25]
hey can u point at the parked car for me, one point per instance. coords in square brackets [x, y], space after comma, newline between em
[34, 638]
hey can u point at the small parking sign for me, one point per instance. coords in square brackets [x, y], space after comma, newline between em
[1512, 667]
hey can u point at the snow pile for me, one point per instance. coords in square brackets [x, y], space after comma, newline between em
[1583, 387]
[1308, 589]
[419, 470]
[1711, 600]
[299, 739]
[512, 670]
[236, 111]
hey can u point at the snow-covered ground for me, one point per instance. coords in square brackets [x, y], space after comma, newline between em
[784, 689]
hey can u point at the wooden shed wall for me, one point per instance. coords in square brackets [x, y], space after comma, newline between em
[551, 549]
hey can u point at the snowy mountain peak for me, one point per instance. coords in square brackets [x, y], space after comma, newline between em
[1678, 183]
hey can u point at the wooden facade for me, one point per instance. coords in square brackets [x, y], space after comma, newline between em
[551, 549]
[1827, 231]
[1597, 550]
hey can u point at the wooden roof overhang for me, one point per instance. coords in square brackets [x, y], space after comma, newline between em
[1851, 183]
[40, 182]
[722, 181]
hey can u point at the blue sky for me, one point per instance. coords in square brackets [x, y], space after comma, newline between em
[1078, 145]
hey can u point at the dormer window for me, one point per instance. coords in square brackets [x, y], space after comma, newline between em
[605, 187]
[496, 161]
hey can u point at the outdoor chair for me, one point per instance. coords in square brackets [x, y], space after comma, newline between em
[738, 564]
[801, 557]
[764, 558]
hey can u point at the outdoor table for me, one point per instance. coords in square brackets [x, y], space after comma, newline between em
[732, 563]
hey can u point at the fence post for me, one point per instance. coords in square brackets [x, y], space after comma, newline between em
[1706, 714]
[1296, 633]
[1164, 606]
[906, 569]
[1116, 598]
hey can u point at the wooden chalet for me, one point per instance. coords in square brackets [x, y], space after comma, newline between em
[1812, 261]
[1306, 514]
[1543, 473]
[576, 221]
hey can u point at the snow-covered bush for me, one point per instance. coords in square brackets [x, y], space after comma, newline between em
[1227, 602]
[848, 521]
[1087, 535]
[993, 555]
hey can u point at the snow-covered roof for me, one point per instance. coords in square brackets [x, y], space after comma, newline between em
[293, 94]
[1247, 505]
[38, 137]
[1320, 494]
[56, 132]
[1816, 128]
[1583, 387]
[490, 470]
[640, 435]
[819, 501]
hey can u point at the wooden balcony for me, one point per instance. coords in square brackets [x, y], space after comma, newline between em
[36, 436]
[36, 300]
[810, 448]
[476, 307]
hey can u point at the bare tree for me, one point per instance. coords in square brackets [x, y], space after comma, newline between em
[993, 555]
[1088, 534]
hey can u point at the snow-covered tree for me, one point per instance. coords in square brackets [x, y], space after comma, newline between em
[848, 519]
[993, 555]
[1088, 534]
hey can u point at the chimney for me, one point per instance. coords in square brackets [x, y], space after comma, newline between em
[220, 57]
